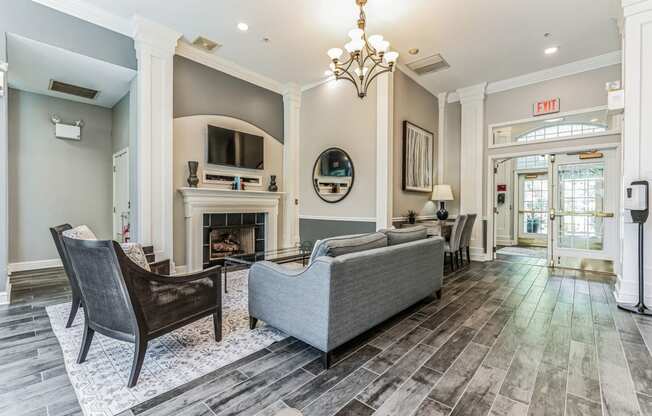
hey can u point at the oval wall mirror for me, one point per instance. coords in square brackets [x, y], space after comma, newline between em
[333, 175]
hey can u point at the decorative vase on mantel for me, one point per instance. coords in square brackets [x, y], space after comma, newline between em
[273, 187]
[193, 179]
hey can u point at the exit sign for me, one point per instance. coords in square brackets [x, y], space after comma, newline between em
[546, 107]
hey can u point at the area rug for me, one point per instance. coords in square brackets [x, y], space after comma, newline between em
[171, 360]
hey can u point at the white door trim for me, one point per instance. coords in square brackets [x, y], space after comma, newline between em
[117, 154]
[491, 224]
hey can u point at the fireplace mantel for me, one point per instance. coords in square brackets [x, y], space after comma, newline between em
[200, 201]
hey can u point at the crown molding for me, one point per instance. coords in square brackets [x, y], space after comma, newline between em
[573, 68]
[632, 7]
[223, 65]
[92, 14]
[473, 93]
[161, 39]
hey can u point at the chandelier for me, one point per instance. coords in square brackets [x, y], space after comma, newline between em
[368, 57]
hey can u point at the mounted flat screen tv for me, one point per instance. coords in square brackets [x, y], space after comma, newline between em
[234, 148]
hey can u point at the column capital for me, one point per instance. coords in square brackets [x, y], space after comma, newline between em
[632, 7]
[292, 93]
[472, 93]
[442, 98]
[161, 40]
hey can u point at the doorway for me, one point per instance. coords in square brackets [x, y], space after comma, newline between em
[121, 203]
[560, 207]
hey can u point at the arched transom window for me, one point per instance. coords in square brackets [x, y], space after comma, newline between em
[561, 130]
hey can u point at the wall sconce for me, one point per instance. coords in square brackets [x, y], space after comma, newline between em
[70, 131]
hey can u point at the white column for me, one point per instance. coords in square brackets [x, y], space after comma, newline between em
[472, 154]
[291, 174]
[4, 186]
[441, 134]
[384, 150]
[636, 143]
[155, 46]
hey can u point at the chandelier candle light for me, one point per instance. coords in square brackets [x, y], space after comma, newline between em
[368, 57]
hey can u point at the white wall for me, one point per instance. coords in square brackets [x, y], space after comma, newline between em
[333, 116]
[452, 154]
[54, 181]
[189, 144]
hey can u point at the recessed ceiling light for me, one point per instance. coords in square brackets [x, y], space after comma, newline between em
[551, 50]
[414, 51]
[243, 26]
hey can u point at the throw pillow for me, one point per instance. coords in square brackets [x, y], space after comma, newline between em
[337, 246]
[405, 235]
[81, 232]
[136, 254]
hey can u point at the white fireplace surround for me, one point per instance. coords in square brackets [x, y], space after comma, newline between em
[200, 201]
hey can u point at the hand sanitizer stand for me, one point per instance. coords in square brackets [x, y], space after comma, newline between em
[637, 202]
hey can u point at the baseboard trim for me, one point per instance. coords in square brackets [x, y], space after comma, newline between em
[5, 297]
[478, 254]
[180, 269]
[34, 265]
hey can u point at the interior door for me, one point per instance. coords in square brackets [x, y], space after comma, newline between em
[585, 200]
[121, 205]
[532, 221]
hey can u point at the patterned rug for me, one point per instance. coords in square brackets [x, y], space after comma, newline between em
[538, 252]
[171, 360]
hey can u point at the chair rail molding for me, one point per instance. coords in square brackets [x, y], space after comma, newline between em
[5, 288]
[291, 164]
[155, 47]
[635, 141]
[384, 149]
[472, 151]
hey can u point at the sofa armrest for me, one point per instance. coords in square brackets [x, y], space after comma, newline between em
[294, 301]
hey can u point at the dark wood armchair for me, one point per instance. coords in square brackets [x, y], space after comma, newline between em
[123, 301]
[57, 236]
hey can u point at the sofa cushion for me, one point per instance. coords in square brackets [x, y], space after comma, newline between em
[81, 232]
[337, 246]
[136, 254]
[405, 235]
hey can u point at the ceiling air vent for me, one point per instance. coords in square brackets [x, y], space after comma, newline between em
[75, 90]
[430, 64]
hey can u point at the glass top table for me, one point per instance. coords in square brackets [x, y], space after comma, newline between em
[279, 256]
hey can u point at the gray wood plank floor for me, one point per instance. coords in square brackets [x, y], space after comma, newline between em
[510, 337]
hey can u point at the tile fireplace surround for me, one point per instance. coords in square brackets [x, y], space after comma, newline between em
[200, 201]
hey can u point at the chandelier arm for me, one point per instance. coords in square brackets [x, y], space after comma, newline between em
[351, 80]
[374, 76]
[348, 65]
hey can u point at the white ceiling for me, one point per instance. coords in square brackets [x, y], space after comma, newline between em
[483, 40]
[34, 64]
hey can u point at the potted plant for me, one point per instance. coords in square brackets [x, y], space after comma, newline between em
[412, 217]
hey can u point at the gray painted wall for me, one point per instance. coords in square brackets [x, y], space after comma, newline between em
[37, 22]
[452, 154]
[52, 181]
[200, 90]
[121, 128]
[313, 230]
[415, 104]
[333, 116]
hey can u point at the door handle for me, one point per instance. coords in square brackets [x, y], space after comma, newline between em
[552, 214]
[602, 214]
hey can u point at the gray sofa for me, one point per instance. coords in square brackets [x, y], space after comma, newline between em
[340, 296]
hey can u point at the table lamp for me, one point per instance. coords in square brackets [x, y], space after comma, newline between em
[442, 193]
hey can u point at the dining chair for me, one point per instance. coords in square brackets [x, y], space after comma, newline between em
[466, 237]
[452, 247]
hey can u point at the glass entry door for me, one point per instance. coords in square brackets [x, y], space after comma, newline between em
[532, 221]
[583, 222]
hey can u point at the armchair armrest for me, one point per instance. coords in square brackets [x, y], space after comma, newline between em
[161, 267]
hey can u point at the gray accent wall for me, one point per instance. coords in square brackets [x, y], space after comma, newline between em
[201, 90]
[37, 22]
[121, 129]
[54, 181]
[313, 230]
[415, 104]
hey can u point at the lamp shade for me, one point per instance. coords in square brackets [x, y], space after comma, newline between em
[442, 193]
